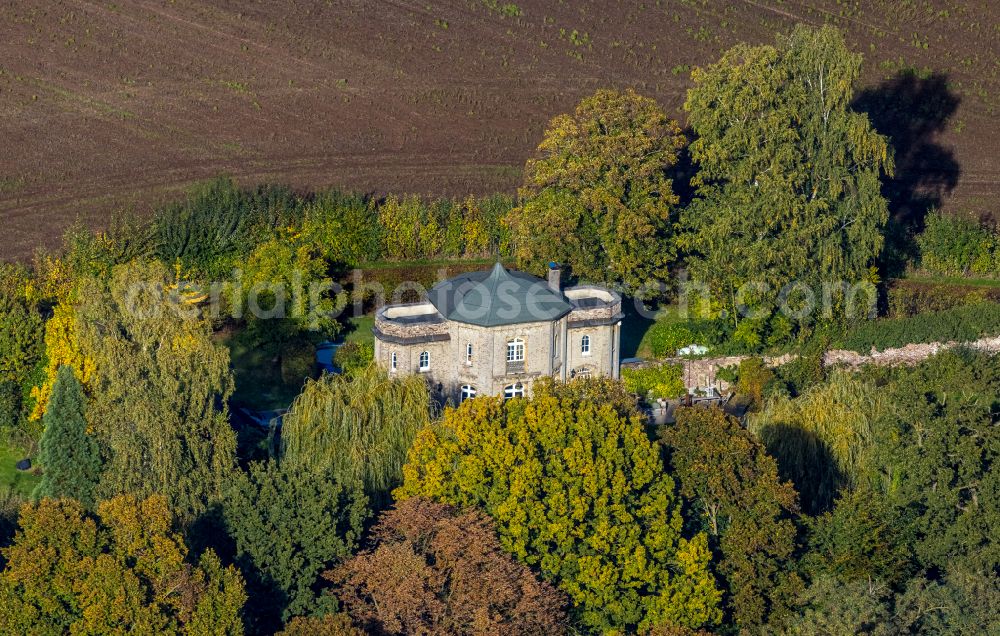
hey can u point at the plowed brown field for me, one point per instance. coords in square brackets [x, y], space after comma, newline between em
[111, 104]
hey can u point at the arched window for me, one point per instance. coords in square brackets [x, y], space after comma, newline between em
[515, 350]
[425, 361]
[468, 392]
[585, 345]
[513, 391]
[468, 353]
[581, 372]
[392, 361]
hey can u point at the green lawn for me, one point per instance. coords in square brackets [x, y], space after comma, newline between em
[10, 477]
[359, 329]
[635, 329]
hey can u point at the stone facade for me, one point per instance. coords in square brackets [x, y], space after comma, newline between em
[460, 359]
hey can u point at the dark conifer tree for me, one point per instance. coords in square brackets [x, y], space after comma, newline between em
[69, 456]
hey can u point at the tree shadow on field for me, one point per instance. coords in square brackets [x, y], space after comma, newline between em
[912, 110]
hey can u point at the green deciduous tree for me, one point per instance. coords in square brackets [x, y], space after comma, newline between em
[860, 539]
[598, 197]
[578, 491]
[733, 487]
[788, 175]
[21, 341]
[288, 525]
[961, 603]
[285, 287]
[935, 460]
[359, 427]
[69, 456]
[121, 572]
[219, 224]
[432, 570]
[158, 386]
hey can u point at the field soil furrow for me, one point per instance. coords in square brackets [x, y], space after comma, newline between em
[112, 105]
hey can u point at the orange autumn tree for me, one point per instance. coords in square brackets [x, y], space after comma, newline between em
[435, 570]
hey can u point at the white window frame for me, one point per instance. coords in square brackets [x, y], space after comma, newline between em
[515, 350]
[585, 345]
[468, 392]
[392, 361]
[424, 361]
[468, 354]
[511, 391]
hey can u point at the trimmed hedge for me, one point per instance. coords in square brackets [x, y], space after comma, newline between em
[961, 324]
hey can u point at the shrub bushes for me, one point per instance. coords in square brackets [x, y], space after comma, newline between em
[960, 324]
[664, 381]
[352, 356]
[955, 246]
[219, 223]
[909, 298]
[668, 335]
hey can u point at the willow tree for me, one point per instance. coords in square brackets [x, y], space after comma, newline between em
[358, 427]
[158, 387]
[788, 181]
[598, 197]
[822, 438]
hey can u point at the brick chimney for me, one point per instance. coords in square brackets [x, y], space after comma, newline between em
[554, 273]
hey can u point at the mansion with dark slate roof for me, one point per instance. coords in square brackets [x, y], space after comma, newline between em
[493, 332]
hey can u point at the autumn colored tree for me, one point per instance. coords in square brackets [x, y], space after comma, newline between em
[788, 184]
[62, 348]
[598, 197]
[285, 289]
[288, 525]
[359, 427]
[433, 570]
[326, 625]
[69, 456]
[121, 571]
[409, 232]
[158, 386]
[578, 491]
[732, 486]
[476, 238]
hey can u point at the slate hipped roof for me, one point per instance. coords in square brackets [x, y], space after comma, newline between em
[498, 297]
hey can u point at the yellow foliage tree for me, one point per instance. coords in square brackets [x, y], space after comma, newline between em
[577, 490]
[121, 571]
[62, 347]
[477, 236]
